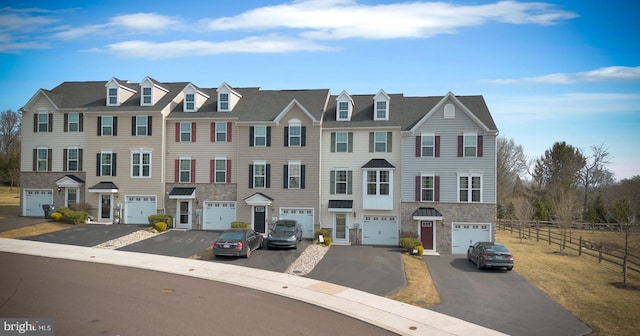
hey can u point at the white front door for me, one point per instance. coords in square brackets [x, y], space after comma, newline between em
[341, 228]
[183, 214]
[106, 208]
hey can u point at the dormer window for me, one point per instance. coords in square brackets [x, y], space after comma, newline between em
[189, 102]
[381, 110]
[112, 96]
[146, 96]
[381, 106]
[227, 98]
[344, 107]
[343, 111]
[223, 102]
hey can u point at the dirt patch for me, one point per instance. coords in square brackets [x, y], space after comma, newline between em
[623, 285]
[420, 290]
[34, 230]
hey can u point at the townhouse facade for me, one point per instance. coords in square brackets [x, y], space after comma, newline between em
[369, 168]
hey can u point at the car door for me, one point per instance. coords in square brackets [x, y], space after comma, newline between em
[253, 240]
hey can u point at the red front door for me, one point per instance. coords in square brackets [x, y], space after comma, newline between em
[426, 234]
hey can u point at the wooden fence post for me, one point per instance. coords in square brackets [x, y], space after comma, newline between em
[549, 228]
[600, 253]
[580, 247]
[537, 234]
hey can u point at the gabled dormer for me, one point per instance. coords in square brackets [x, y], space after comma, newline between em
[151, 91]
[381, 106]
[118, 92]
[227, 98]
[193, 98]
[344, 107]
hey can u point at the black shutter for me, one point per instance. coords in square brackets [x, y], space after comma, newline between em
[149, 125]
[133, 126]
[98, 164]
[35, 123]
[64, 159]
[113, 164]
[49, 155]
[80, 159]
[50, 122]
[81, 122]
[251, 175]
[302, 176]
[35, 159]
[251, 135]
[66, 123]
[99, 133]
[286, 136]
[333, 142]
[303, 136]
[268, 178]
[285, 177]
[115, 126]
[332, 181]
[268, 136]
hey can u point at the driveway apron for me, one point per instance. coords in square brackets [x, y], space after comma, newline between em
[175, 243]
[88, 234]
[375, 270]
[276, 260]
[499, 300]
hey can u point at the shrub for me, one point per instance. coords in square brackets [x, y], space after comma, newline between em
[409, 234]
[72, 216]
[56, 216]
[327, 241]
[420, 250]
[324, 232]
[160, 226]
[239, 225]
[81, 207]
[153, 219]
[410, 243]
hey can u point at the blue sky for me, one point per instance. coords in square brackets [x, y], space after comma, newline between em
[549, 71]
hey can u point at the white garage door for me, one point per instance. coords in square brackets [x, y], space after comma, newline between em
[34, 199]
[303, 216]
[380, 230]
[218, 215]
[139, 208]
[465, 234]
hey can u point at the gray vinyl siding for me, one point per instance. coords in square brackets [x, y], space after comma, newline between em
[449, 165]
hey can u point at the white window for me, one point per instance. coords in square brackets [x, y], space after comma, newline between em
[260, 136]
[185, 132]
[42, 159]
[343, 110]
[221, 131]
[189, 102]
[106, 164]
[378, 182]
[112, 96]
[428, 145]
[107, 126]
[293, 175]
[470, 188]
[295, 135]
[223, 102]
[221, 170]
[43, 122]
[72, 197]
[141, 164]
[259, 174]
[72, 159]
[73, 123]
[380, 142]
[185, 170]
[470, 145]
[381, 110]
[427, 189]
[146, 96]
[342, 184]
[142, 125]
[342, 142]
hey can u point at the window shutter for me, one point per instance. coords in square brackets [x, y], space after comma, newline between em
[418, 146]
[460, 146]
[350, 142]
[349, 182]
[228, 134]
[436, 187]
[268, 178]
[115, 126]
[177, 132]
[285, 177]
[99, 126]
[228, 171]
[212, 171]
[333, 142]
[418, 187]
[98, 164]
[286, 136]
[133, 126]
[35, 123]
[193, 171]
[64, 159]
[437, 145]
[114, 164]
[370, 142]
[49, 155]
[479, 145]
[35, 159]
[81, 122]
[251, 175]
[213, 132]
[149, 125]
[79, 159]
[66, 122]
[332, 181]
[389, 141]
[303, 136]
[177, 171]
[251, 135]
[50, 122]
[302, 176]
[268, 136]
[193, 132]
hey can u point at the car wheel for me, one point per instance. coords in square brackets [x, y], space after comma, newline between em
[469, 257]
[509, 268]
[295, 247]
[248, 254]
[478, 266]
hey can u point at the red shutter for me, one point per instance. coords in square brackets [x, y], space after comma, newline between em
[437, 145]
[479, 145]
[212, 171]
[436, 187]
[229, 133]
[193, 171]
[177, 171]
[213, 132]
[418, 146]
[193, 132]
[418, 186]
[228, 171]
[177, 132]
[460, 146]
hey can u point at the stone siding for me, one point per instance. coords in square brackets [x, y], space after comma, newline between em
[205, 192]
[47, 180]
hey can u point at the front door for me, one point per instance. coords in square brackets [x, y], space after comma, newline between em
[341, 231]
[259, 219]
[426, 234]
[105, 207]
[184, 215]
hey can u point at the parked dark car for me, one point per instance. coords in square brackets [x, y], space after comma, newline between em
[285, 233]
[237, 242]
[490, 255]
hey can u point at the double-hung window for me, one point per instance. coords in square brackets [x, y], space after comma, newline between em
[341, 182]
[42, 159]
[259, 175]
[470, 145]
[184, 170]
[185, 131]
[221, 131]
[106, 163]
[73, 158]
[380, 142]
[73, 122]
[260, 136]
[141, 163]
[141, 125]
[146, 96]
[342, 142]
[378, 182]
[43, 122]
[470, 188]
[343, 110]
[427, 188]
[381, 110]
[428, 145]
[112, 96]
[106, 125]
[294, 175]
[224, 101]
[295, 134]
[220, 172]
[189, 102]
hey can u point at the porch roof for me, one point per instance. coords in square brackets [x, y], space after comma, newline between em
[427, 213]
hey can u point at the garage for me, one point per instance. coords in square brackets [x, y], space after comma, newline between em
[218, 215]
[34, 199]
[139, 208]
[380, 230]
[303, 216]
[465, 234]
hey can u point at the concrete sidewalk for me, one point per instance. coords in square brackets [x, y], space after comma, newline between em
[391, 315]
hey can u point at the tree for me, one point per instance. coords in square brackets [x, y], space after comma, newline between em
[626, 210]
[10, 146]
[594, 173]
[557, 171]
[511, 165]
[522, 213]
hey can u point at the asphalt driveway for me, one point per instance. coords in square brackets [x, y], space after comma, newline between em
[276, 260]
[175, 243]
[499, 300]
[87, 234]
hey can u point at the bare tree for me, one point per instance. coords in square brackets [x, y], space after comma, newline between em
[595, 173]
[566, 211]
[626, 209]
[522, 213]
[511, 166]
[10, 138]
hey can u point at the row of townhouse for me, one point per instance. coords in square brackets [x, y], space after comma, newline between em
[367, 167]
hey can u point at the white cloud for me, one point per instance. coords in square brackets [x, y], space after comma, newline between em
[182, 48]
[16, 26]
[130, 23]
[612, 73]
[348, 19]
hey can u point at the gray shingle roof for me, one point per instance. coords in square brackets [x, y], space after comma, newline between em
[426, 212]
[104, 186]
[181, 191]
[378, 163]
[340, 204]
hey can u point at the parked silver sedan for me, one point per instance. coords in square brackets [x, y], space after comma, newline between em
[285, 233]
[237, 242]
[490, 255]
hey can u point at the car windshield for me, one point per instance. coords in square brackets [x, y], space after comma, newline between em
[237, 235]
[496, 248]
[284, 227]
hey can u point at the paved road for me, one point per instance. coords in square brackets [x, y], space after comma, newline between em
[92, 299]
[502, 301]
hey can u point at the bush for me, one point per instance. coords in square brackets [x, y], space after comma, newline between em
[72, 216]
[160, 226]
[56, 216]
[81, 207]
[410, 243]
[327, 241]
[324, 232]
[239, 225]
[153, 219]
[420, 250]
